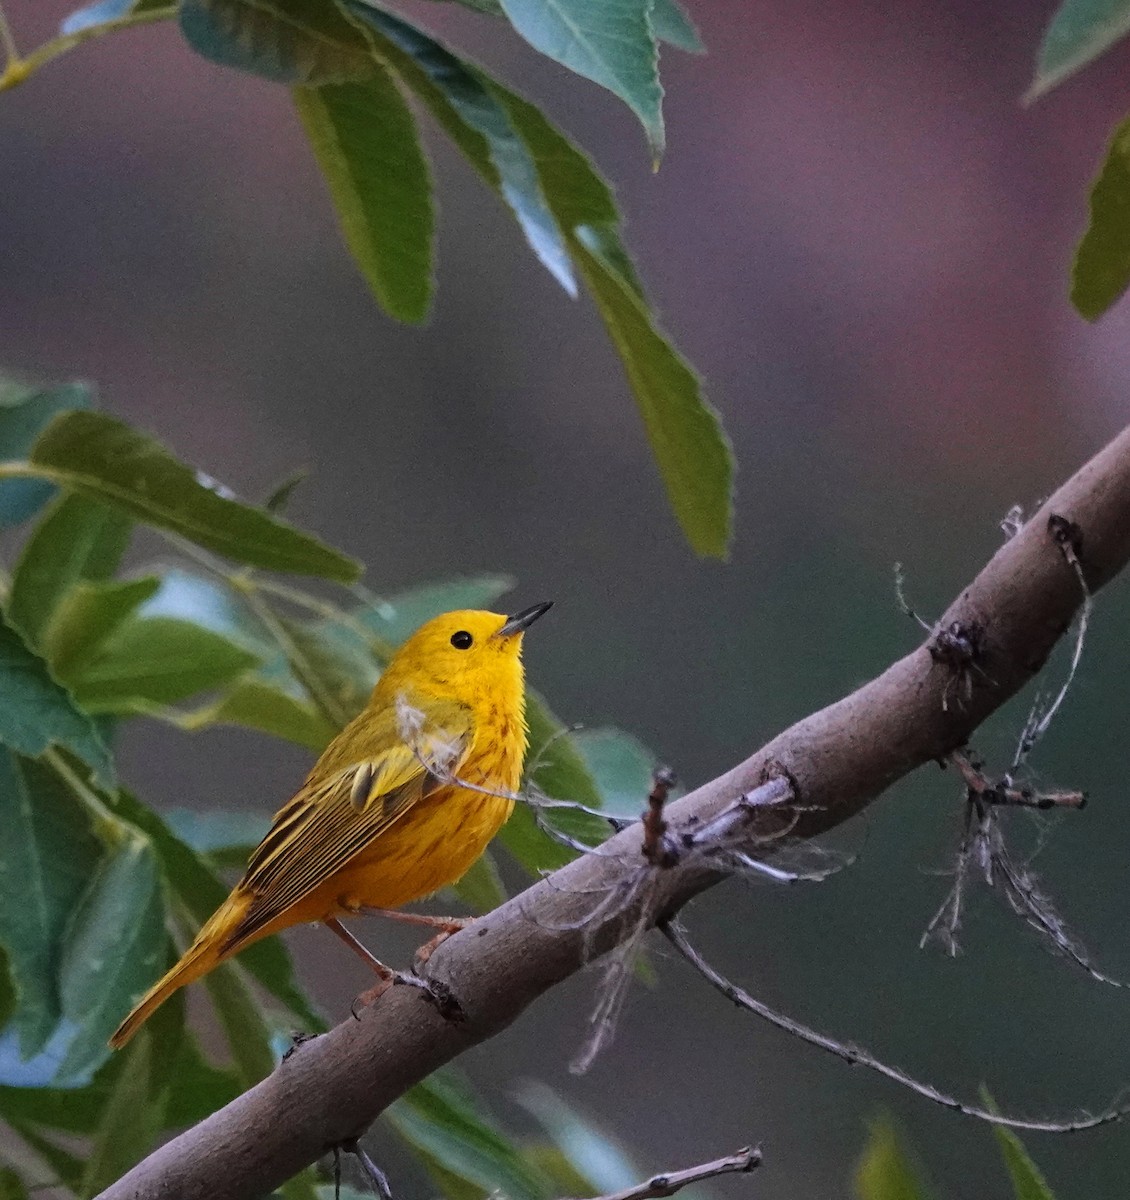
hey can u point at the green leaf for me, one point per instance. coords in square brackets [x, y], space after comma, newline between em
[279, 499]
[441, 1118]
[87, 617]
[25, 409]
[247, 1034]
[621, 766]
[147, 662]
[77, 540]
[47, 857]
[884, 1172]
[218, 834]
[598, 1164]
[286, 41]
[685, 433]
[395, 619]
[456, 95]
[364, 138]
[12, 1186]
[114, 950]
[36, 712]
[108, 461]
[671, 24]
[481, 888]
[107, 12]
[134, 1113]
[1079, 32]
[1101, 271]
[67, 1168]
[201, 892]
[1028, 1180]
[607, 41]
[258, 705]
[555, 768]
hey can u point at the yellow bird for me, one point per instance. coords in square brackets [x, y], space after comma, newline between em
[384, 817]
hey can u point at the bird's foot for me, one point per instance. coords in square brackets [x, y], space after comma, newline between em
[450, 925]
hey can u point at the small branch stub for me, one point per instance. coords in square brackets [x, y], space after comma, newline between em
[739, 1163]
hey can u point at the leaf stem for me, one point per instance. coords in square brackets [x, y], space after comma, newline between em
[110, 821]
[18, 69]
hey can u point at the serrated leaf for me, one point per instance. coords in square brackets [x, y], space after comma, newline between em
[1079, 32]
[285, 41]
[36, 712]
[25, 409]
[364, 138]
[671, 24]
[156, 661]
[201, 892]
[444, 1120]
[107, 12]
[1101, 272]
[47, 857]
[884, 1172]
[607, 41]
[115, 948]
[77, 540]
[108, 461]
[90, 614]
[455, 94]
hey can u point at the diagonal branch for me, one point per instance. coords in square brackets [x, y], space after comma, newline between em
[837, 760]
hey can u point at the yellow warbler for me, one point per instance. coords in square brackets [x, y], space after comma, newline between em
[382, 818]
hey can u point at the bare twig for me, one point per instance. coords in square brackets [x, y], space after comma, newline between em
[741, 1162]
[656, 848]
[857, 1056]
[837, 760]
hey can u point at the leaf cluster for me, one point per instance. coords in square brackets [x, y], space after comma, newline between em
[359, 73]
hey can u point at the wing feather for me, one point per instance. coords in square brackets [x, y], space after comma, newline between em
[333, 818]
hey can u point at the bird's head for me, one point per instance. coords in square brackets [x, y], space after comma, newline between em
[465, 655]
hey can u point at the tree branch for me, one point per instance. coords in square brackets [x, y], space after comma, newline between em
[837, 760]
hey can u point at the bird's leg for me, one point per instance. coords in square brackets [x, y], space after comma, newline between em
[386, 976]
[446, 926]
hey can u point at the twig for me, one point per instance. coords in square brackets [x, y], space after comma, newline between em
[857, 1056]
[1005, 793]
[656, 848]
[741, 1162]
[19, 69]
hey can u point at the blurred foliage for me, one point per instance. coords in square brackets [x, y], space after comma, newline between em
[1079, 32]
[887, 1170]
[353, 65]
[97, 888]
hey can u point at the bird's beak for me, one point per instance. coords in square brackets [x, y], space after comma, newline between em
[521, 621]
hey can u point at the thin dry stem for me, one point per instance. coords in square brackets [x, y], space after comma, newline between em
[857, 1056]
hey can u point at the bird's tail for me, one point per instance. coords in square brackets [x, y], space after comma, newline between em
[213, 944]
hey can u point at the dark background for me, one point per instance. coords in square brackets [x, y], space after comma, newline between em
[862, 240]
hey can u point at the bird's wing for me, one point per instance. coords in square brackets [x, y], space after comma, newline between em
[335, 816]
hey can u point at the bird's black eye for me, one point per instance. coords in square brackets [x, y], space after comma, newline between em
[462, 640]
